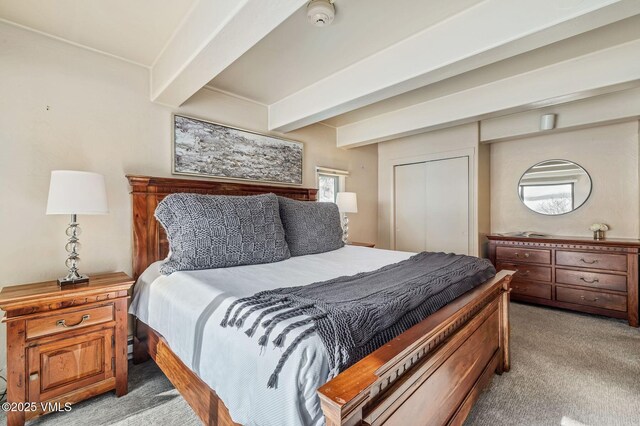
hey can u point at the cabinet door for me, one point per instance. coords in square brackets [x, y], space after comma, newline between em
[410, 204]
[64, 365]
[447, 206]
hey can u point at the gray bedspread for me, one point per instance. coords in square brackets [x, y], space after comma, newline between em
[354, 315]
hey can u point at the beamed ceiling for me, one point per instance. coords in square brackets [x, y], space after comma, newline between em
[383, 69]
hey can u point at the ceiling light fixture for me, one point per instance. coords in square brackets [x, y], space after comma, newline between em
[547, 122]
[320, 13]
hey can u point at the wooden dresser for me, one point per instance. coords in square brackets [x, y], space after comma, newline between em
[581, 274]
[64, 344]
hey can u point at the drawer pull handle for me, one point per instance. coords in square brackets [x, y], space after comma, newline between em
[595, 280]
[63, 323]
[589, 263]
[525, 273]
[595, 299]
[525, 255]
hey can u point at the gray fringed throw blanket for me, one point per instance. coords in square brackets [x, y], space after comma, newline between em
[355, 315]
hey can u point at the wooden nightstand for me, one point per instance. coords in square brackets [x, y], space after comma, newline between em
[64, 344]
[355, 243]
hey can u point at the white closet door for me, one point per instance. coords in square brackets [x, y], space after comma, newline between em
[447, 205]
[410, 207]
[432, 206]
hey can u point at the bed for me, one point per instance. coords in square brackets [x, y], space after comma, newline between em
[433, 372]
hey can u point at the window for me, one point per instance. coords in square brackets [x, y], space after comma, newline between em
[328, 187]
[548, 199]
[330, 182]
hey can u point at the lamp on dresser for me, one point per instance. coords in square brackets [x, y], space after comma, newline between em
[73, 193]
[347, 203]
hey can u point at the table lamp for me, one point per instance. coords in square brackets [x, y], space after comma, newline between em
[74, 193]
[347, 203]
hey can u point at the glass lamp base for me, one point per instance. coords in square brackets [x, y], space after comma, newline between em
[72, 247]
[345, 228]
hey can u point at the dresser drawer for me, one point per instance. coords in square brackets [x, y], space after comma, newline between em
[541, 291]
[592, 279]
[527, 272]
[524, 255]
[59, 322]
[612, 262]
[592, 298]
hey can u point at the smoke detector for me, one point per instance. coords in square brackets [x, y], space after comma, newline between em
[321, 12]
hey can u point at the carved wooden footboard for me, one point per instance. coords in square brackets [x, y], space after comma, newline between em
[431, 374]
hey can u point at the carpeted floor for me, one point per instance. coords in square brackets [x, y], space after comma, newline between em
[567, 369]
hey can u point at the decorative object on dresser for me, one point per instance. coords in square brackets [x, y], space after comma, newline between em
[361, 244]
[577, 273]
[347, 203]
[598, 230]
[554, 187]
[64, 344]
[74, 193]
[202, 148]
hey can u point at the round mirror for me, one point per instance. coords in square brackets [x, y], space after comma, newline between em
[554, 187]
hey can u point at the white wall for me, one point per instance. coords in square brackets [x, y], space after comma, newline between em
[62, 107]
[608, 153]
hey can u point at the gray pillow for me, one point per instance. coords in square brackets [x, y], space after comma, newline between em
[216, 231]
[310, 227]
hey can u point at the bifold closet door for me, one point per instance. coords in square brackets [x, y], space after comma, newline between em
[432, 206]
[447, 205]
[410, 207]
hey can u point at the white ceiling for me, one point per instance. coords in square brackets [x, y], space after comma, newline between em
[135, 30]
[297, 54]
[374, 72]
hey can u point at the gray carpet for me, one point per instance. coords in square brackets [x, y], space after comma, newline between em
[568, 369]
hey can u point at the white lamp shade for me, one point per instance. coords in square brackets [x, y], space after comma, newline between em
[72, 192]
[347, 202]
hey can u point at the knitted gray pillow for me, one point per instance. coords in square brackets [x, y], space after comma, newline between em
[310, 227]
[216, 231]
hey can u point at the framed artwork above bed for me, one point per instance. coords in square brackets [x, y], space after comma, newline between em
[203, 148]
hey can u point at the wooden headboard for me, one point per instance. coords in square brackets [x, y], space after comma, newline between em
[149, 239]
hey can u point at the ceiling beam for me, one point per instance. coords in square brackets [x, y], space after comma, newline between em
[213, 35]
[608, 70]
[490, 31]
[612, 107]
